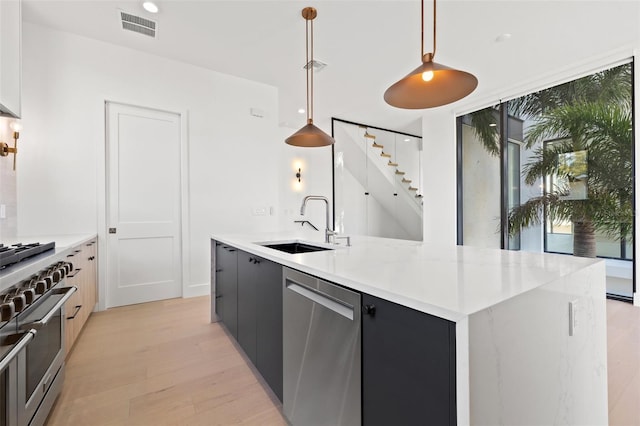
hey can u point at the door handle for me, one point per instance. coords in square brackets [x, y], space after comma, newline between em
[24, 340]
[37, 325]
[337, 306]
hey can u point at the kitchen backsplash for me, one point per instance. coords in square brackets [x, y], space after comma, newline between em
[8, 193]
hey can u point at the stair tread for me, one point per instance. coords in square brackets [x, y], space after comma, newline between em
[411, 188]
[369, 136]
[405, 180]
[385, 155]
[391, 163]
[398, 172]
[375, 145]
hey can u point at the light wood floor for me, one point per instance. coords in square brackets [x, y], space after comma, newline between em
[160, 363]
[623, 359]
[163, 363]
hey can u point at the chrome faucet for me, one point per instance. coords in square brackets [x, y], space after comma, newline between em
[328, 232]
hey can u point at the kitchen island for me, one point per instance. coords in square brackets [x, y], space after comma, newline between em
[528, 330]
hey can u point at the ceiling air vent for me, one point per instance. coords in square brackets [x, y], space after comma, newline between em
[138, 24]
[316, 64]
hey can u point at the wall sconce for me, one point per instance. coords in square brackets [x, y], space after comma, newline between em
[299, 175]
[5, 149]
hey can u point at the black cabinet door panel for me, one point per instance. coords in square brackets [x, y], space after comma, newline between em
[227, 286]
[248, 276]
[269, 324]
[408, 366]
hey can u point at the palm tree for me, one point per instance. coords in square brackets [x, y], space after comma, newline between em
[609, 86]
[591, 114]
[603, 131]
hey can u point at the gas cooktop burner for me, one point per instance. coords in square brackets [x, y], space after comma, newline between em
[18, 252]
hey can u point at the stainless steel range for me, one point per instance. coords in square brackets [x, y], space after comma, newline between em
[19, 252]
[32, 345]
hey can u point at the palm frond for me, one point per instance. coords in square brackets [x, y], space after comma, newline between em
[485, 126]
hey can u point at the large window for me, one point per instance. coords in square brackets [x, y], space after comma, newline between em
[553, 171]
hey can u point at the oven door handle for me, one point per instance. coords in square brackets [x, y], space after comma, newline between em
[68, 292]
[24, 341]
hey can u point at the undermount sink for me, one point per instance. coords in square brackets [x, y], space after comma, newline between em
[295, 247]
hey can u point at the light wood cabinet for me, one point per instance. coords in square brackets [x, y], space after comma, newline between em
[84, 276]
[10, 57]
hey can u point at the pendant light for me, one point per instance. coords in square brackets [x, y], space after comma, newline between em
[309, 135]
[431, 84]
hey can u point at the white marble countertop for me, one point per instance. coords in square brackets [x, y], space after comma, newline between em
[11, 275]
[450, 282]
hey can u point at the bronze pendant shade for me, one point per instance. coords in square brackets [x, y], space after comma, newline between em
[431, 84]
[309, 135]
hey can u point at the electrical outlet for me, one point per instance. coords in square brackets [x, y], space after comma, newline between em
[574, 308]
[259, 211]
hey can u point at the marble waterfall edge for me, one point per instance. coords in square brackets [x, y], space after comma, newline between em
[525, 368]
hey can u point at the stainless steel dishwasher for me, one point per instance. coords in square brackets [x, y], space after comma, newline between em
[321, 352]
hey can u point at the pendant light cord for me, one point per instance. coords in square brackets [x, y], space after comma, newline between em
[310, 72]
[309, 68]
[422, 52]
[306, 48]
[434, 29]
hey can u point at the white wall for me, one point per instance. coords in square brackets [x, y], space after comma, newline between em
[316, 179]
[8, 195]
[234, 157]
[439, 170]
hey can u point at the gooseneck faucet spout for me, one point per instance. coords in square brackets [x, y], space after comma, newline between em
[328, 231]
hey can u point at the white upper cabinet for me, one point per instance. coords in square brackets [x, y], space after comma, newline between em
[10, 57]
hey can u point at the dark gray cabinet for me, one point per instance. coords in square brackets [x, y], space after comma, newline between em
[408, 357]
[269, 323]
[248, 283]
[227, 286]
[249, 302]
[408, 366]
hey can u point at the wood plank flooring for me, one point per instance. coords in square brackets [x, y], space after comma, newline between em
[623, 359]
[160, 363]
[163, 363]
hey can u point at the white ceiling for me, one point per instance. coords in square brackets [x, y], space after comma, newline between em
[368, 45]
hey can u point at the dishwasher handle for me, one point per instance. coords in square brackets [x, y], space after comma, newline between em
[335, 305]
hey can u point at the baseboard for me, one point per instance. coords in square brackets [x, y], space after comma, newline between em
[196, 290]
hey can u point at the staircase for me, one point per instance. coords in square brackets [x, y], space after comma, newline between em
[398, 173]
[381, 175]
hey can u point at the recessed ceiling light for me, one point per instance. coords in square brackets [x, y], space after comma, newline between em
[407, 140]
[503, 37]
[150, 6]
[301, 111]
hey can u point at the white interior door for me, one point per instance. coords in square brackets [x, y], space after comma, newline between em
[143, 205]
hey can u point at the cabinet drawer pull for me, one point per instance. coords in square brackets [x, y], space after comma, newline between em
[369, 310]
[78, 307]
